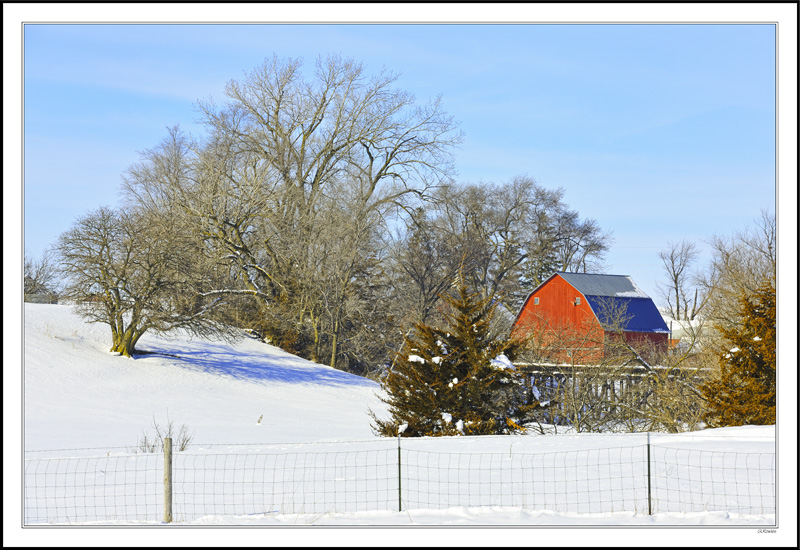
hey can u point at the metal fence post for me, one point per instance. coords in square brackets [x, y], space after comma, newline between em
[649, 501]
[167, 480]
[399, 477]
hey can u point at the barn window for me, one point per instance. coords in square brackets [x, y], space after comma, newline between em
[578, 301]
[536, 301]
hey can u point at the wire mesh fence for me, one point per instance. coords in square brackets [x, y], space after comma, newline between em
[388, 476]
[94, 489]
[693, 480]
[586, 481]
[284, 482]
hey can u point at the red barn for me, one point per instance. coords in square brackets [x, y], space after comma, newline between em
[574, 317]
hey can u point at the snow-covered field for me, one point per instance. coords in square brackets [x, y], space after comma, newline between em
[82, 401]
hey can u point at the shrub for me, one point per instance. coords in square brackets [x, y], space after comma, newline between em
[155, 443]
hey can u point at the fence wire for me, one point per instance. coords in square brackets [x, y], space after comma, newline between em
[285, 482]
[129, 488]
[94, 489]
[585, 481]
[693, 480]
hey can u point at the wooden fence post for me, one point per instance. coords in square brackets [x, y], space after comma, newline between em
[167, 480]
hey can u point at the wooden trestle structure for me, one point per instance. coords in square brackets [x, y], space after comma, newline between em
[604, 386]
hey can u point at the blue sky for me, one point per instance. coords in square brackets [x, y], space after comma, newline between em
[660, 132]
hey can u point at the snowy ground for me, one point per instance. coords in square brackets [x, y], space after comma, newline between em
[80, 397]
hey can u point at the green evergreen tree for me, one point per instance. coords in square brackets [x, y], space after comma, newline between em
[445, 381]
[744, 391]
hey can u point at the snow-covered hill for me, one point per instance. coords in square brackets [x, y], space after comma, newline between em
[78, 394]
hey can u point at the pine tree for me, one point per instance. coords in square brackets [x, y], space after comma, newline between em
[446, 382]
[744, 391]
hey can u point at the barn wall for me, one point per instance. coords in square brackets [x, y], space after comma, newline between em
[556, 314]
[557, 319]
[648, 344]
[556, 298]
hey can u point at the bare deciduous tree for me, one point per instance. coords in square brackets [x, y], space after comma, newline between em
[684, 302]
[425, 261]
[740, 264]
[134, 273]
[40, 275]
[293, 180]
[513, 235]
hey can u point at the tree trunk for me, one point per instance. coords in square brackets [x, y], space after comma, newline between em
[334, 343]
[125, 343]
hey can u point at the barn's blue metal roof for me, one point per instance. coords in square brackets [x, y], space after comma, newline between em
[630, 314]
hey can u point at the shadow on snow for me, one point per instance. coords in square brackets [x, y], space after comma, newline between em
[221, 360]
